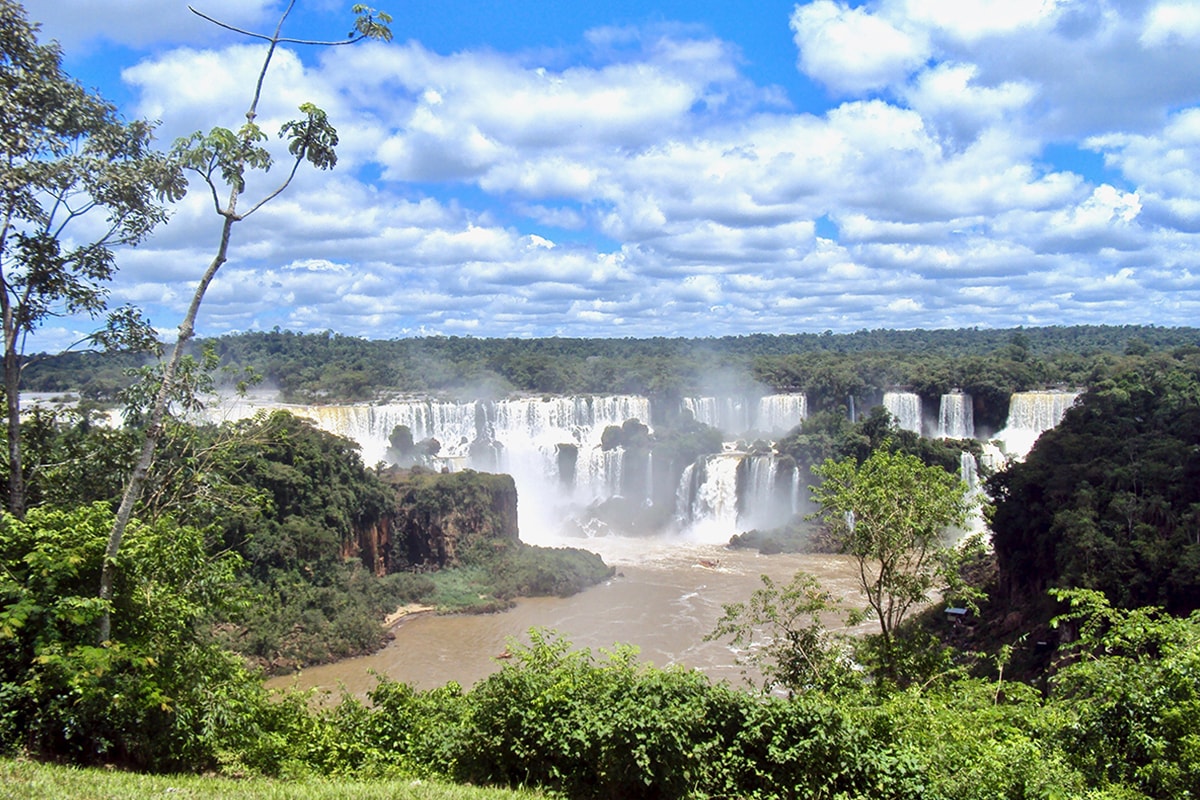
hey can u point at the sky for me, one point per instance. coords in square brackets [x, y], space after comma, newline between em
[631, 169]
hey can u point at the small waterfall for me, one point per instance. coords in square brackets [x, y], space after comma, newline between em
[956, 417]
[906, 408]
[708, 494]
[1030, 414]
[969, 472]
[733, 492]
[779, 413]
[758, 494]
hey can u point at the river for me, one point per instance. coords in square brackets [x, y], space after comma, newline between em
[663, 600]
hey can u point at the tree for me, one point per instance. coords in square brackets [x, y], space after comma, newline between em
[66, 158]
[782, 631]
[221, 159]
[890, 513]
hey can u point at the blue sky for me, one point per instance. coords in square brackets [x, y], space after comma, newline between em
[680, 168]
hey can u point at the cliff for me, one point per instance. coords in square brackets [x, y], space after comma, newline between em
[441, 520]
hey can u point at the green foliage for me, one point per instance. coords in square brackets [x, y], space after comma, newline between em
[810, 747]
[1132, 693]
[153, 696]
[611, 727]
[783, 631]
[327, 366]
[890, 513]
[558, 718]
[982, 740]
[1110, 499]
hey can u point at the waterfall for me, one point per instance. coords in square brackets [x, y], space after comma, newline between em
[969, 472]
[1030, 414]
[733, 492]
[956, 417]
[707, 493]
[758, 495]
[779, 413]
[906, 408]
[525, 437]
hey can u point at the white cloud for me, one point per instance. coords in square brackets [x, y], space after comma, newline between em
[851, 50]
[971, 20]
[1172, 22]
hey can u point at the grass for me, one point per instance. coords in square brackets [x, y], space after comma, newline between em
[24, 779]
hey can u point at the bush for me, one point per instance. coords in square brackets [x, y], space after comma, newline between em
[156, 696]
[556, 718]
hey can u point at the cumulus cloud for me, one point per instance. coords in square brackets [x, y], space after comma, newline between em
[852, 50]
[648, 187]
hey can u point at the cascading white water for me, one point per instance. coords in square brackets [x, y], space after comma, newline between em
[733, 492]
[779, 413]
[956, 417]
[529, 431]
[759, 493]
[1030, 414]
[552, 448]
[521, 437]
[906, 408]
[969, 472]
[706, 503]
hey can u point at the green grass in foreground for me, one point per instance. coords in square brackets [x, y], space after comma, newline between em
[26, 780]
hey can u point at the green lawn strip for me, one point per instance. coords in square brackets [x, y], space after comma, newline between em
[28, 779]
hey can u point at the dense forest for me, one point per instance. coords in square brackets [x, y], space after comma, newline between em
[829, 368]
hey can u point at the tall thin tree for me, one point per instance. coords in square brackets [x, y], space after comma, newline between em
[221, 158]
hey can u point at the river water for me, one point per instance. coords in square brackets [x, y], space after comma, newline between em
[663, 600]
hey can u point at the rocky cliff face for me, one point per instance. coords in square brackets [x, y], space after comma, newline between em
[440, 519]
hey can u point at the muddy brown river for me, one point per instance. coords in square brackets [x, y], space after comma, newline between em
[663, 601]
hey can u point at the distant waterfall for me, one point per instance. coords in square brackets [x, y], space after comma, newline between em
[779, 413]
[956, 417]
[769, 414]
[906, 408]
[1030, 414]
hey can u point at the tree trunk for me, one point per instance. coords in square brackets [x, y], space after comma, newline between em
[12, 393]
[154, 431]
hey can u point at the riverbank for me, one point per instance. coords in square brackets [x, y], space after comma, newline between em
[406, 612]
